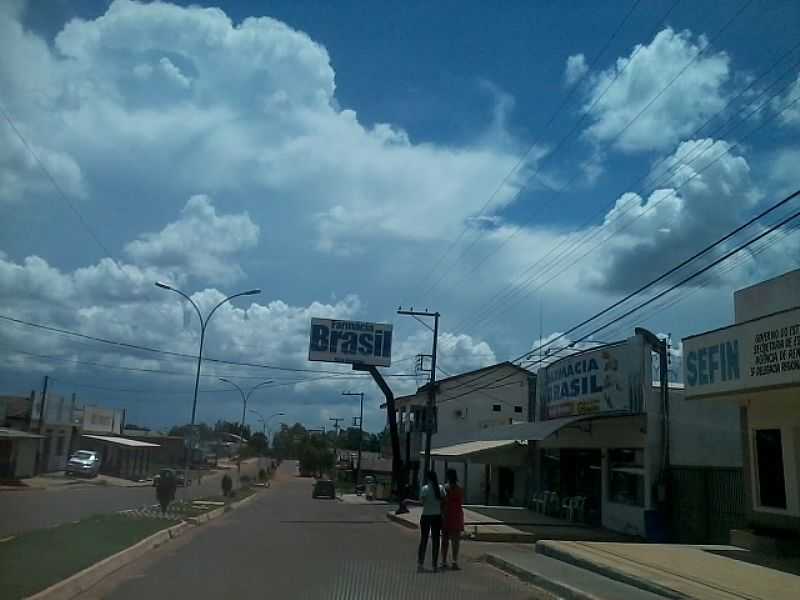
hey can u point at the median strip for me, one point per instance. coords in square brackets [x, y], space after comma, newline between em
[60, 562]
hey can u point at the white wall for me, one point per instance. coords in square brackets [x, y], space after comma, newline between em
[767, 297]
[777, 409]
[475, 408]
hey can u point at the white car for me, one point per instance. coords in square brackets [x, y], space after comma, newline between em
[84, 462]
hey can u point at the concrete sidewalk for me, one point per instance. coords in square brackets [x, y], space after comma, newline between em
[561, 578]
[676, 571]
[486, 528]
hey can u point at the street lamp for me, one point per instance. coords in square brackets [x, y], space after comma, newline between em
[360, 431]
[265, 422]
[245, 398]
[203, 325]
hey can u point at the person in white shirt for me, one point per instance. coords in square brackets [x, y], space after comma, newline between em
[430, 524]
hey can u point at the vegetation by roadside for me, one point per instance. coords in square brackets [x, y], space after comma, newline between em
[34, 561]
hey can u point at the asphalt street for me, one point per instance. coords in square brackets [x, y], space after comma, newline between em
[34, 509]
[285, 544]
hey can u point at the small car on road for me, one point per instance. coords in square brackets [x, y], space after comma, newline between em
[85, 463]
[324, 488]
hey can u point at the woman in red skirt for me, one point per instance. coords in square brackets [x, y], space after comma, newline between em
[453, 524]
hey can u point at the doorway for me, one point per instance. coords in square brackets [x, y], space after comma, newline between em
[505, 486]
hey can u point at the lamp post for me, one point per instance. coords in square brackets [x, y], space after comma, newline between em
[360, 431]
[203, 326]
[265, 422]
[245, 398]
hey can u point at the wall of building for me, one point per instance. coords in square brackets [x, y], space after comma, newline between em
[627, 432]
[767, 297]
[776, 409]
[25, 457]
[704, 432]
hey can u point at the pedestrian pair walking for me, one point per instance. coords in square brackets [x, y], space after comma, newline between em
[442, 519]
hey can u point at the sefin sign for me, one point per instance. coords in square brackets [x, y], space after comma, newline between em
[759, 354]
[350, 342]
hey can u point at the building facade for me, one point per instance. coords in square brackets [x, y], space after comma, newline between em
[754, 365]
[604, 432]
[466, 405]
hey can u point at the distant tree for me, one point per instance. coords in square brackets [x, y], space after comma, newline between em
[205, 432]
[256, 444]
[136, 427]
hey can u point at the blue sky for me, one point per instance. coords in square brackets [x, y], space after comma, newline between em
[332, 153]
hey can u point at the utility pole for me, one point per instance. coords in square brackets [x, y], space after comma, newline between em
[43, 407]
[360, 430]
[429, 413]
[336, 439]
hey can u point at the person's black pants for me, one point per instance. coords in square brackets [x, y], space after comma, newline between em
[429, 525]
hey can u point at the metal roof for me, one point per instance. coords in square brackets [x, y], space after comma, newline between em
[472, 448]
[541, 430]
[121, 441]
[16, 434]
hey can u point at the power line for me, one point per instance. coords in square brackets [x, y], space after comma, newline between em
[651, 206]
[117, 343]
[688, 278]
[559, 145]
[515, 289]
[618, 135]
[647, 302]
[84, 223]
[570, 93]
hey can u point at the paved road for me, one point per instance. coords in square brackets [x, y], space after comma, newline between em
[286, 545]
[25, 510]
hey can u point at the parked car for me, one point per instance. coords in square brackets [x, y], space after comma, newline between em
[324, 488]
[85, 463]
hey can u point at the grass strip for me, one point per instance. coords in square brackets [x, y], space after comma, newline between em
[38, 559]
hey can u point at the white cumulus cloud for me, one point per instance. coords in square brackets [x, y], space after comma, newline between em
[697, 92]
[576, 68]
[200, 242]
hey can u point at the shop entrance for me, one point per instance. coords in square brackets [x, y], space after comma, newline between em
[575, 472]
[505, 486]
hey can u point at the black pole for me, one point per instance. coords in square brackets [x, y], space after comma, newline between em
[360, 437]
[397, 483]
[431, 396]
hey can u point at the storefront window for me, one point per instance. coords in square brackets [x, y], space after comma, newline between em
[626, 476]
[769, 461]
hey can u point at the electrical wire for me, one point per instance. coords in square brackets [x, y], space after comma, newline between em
[533, 146]
[650, 206]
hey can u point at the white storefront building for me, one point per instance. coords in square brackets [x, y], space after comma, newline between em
[754, 364]
[466, 405]
[602, 432]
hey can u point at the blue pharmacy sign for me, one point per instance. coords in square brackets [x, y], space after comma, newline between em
[352, 342]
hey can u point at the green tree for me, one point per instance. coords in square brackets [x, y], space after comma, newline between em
[316, 455]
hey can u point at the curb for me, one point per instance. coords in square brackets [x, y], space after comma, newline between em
[218, 512]
[562, 590]
[83, 580]
[400, 521]
[546, 548]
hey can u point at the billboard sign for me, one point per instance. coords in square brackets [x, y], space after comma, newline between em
[757, 354]
[611, 378]
[350, 342]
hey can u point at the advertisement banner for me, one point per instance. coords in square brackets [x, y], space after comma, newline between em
[607, 379]
[350, 342]
[757, 354]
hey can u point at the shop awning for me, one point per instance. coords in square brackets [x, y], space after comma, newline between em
[109, 439]
[541, 430]
[466, 449]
